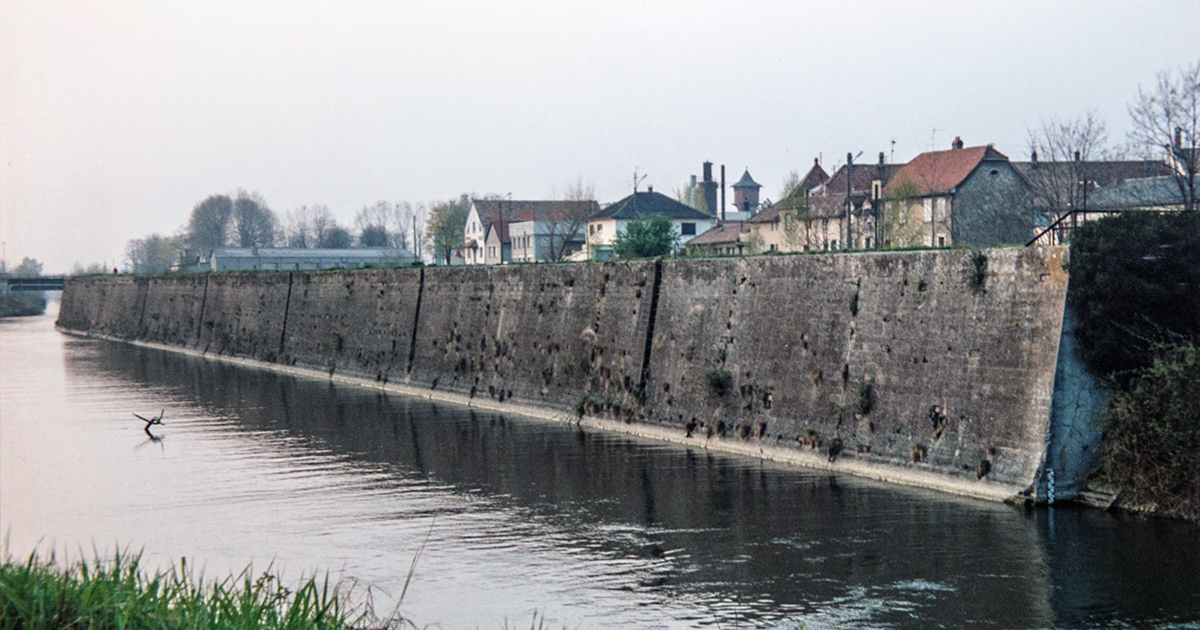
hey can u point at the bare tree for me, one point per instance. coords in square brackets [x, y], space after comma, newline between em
[321, 221]
[1061, 153]
[401, 224]
[1167, 118]
[297, 228]
[153, 254]
[566, 222]
[253, 221]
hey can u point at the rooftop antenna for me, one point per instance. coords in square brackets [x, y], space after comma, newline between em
[933, 140]
[637, 180]
[892, 155]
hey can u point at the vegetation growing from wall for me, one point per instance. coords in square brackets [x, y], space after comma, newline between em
[1135, 288]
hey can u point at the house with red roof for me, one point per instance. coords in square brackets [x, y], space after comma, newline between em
[963, 196]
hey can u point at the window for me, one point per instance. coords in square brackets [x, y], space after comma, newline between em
[928, 209]
[868, 243]
[941, 209]
[877, 189]
[687, 229]
[774, 247]
[941, 240]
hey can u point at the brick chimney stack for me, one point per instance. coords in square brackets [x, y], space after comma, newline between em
[957, 144]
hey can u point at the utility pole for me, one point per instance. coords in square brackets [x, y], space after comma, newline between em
[849, 170]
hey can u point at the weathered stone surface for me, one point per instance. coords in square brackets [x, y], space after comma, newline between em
[356, 323]
[884, 354]
[559, 335]
[891, 359]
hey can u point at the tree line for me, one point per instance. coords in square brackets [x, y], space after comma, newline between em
[245, 220]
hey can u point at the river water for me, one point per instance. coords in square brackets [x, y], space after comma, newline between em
[588, 529]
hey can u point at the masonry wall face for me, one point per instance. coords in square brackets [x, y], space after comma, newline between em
[888, 359]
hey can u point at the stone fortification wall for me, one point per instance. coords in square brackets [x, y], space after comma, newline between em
[893, 362]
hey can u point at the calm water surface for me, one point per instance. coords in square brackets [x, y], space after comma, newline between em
[590, 529]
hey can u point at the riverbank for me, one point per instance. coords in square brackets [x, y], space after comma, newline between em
[22, 305]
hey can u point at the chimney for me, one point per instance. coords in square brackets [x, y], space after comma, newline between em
[1178, 138]
[710, 189]
[650, 188]
[722, 213]
[1077, 155]
[957, 144]
[1033, 158]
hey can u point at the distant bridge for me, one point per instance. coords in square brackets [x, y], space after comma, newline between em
[33, 283]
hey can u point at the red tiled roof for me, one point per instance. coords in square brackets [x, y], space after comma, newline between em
[937, 172]
[729, 232]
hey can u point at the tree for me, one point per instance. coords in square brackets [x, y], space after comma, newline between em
[373, 236]
[29, 267]
[208, 226]
[253, 221]
[153, 254]
[320, 222]
[566, 222]
[1063, 151]
[647, 237]
[445, 227]
[401, 224]
[334, 237]
[1167, 117]
[373, 222]
[297, 228]
[691, 196]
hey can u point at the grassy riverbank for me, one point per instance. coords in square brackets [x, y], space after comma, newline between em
[43, 594]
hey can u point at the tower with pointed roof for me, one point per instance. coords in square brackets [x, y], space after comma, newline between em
[745, 193]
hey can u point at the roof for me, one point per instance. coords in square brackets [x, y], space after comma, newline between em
[747, 182]
[515, 210]
[308, 254]
[938, 172]
[861, 177]
[643, 204]
[1100, 172]
[819, 207]
[728, 232]
[1141, 192]
[815, 176]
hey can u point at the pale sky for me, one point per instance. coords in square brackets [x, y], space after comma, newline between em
[116, 118]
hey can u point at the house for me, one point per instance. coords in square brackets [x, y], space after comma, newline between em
[963, 196]
[506, 230]
[1062, 188]
[816, 216]
[729, 238]
[290, 259]
[603, 227]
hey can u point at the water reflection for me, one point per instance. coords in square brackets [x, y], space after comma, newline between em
[596, 530]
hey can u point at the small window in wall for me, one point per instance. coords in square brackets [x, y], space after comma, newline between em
[774, 247]
[687, 229]
[941, 240]
[868, 245]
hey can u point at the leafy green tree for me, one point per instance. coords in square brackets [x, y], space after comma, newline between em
[1135, 283]
[445, 228]
[647, 237]
[208, 226]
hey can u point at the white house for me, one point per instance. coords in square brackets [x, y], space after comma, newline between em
[603, 227]
[504, 230]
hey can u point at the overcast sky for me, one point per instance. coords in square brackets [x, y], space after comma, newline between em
[116, 118]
